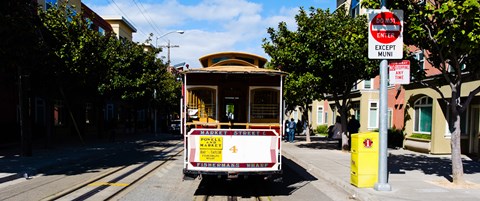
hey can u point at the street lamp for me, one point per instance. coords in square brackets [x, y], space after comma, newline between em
[177, 31]
[155, 91]
[168, 46]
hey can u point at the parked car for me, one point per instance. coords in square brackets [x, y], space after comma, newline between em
[174, 127]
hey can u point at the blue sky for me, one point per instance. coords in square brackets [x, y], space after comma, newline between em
[210, 25]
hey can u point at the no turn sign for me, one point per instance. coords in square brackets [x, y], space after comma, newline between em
[385, 39]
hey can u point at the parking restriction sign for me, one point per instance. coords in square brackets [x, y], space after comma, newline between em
[385, 40]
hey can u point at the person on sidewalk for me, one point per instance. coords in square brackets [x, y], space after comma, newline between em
[291, 128]
[352, 127]
[337, 132]
[287, 131]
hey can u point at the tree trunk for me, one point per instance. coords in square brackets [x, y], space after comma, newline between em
[307, 133]
[457, 165]
[24, 114]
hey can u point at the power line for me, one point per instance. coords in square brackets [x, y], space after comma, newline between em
[147, 17]
[126, 17]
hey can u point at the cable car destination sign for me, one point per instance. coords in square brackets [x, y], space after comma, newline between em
[385, 38]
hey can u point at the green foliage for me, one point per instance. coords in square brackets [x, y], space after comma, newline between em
[103, 64]
[325, 56]
[421, 136]
[322, 129]
[75, 51]
[316, 58]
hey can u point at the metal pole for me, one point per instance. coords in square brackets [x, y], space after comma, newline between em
[382, 184]
[155, 112]
[168, 54]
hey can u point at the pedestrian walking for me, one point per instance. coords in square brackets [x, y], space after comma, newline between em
[352, 127]
[287, 130]
[337, 131]
[291, 127]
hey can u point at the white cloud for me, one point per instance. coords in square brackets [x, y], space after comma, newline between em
[210, 26]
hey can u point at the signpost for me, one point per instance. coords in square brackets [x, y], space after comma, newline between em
[399, 71]
[385, 40]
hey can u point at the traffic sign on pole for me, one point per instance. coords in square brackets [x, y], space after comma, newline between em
[385, 38]
[399, 71]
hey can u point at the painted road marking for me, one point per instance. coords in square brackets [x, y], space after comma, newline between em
[108, 184]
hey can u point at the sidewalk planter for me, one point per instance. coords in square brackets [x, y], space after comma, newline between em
[417, 144]
[364, 162]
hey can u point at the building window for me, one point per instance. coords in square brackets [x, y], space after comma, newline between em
[40, 111]
[355, 8]
[58, 113]
[101, 31]
[373, 115]
[423, 115]
[319, 115]
[420, 58]
[367, 84]
[109, 112]
[50, 3]
[88, 113]
[264, 104]
[141, 115]
[334, 112]
[326, 117]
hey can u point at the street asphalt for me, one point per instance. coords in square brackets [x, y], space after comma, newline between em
[411, 175]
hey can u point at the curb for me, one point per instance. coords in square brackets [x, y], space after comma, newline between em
[317, 172]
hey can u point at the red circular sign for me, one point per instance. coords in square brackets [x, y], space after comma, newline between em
[367, 143]
[385, 27]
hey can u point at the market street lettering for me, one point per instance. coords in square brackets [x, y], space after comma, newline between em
[213, 132]
[249, 133]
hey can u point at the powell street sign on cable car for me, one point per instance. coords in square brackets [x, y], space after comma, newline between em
[385, 37]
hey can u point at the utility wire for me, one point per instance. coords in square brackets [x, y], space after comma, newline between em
[126, 17]
[147, 17]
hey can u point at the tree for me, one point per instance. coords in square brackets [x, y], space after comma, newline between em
[326, 65]
[20, 53]
[87, 64]
[450, 31]
[75, 58]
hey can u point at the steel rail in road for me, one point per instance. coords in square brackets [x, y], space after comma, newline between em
[115, 176]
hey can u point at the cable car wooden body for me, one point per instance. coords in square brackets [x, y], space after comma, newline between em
[232, 114]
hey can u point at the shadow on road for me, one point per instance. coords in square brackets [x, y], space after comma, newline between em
[294, 178]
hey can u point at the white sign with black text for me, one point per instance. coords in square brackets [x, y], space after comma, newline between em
[385, 34]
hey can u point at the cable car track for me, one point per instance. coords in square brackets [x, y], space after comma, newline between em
[118, 180]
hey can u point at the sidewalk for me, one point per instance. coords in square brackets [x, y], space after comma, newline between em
[412, 175]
